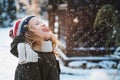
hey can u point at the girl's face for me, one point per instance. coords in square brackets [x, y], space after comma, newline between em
[40, 28]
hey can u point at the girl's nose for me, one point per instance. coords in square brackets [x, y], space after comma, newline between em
[43, 25]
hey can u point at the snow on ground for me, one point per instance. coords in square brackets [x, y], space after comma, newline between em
[7, 61]
[89, 74]
[8, 65]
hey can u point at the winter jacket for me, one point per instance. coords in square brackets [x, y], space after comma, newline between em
[47, 67]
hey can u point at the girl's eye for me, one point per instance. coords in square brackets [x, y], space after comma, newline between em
[36, 23]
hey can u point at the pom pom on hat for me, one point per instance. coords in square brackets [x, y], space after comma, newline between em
[19, 25]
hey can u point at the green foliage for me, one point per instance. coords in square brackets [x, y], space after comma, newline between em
[108, 20]
[8, 12]
[104, 14]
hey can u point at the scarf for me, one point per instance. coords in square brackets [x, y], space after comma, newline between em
[27, 54]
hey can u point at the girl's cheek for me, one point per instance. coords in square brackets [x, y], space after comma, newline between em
[37, 28]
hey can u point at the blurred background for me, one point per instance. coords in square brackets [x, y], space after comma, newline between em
[89, 32]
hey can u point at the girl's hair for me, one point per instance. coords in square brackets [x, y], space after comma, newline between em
[36, 41]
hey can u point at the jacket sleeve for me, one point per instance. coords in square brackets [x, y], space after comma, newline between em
[18, 39]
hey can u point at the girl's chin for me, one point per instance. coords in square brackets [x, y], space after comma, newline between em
[47, 35]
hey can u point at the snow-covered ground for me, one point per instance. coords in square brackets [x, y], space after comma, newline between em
[8, 65]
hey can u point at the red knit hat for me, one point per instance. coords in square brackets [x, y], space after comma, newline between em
[19, 25]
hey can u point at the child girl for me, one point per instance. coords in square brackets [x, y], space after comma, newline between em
[34, 45]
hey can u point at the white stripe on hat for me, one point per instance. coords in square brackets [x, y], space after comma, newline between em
[19, 27]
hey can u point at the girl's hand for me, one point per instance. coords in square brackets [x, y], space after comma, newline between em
[11, 35]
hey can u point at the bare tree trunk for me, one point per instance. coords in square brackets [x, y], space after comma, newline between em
[35, 5]
[28, 7]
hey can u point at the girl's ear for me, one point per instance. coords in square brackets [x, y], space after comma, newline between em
[26, 27]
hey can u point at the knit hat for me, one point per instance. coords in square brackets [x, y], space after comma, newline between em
[20, 24]
[16, 24]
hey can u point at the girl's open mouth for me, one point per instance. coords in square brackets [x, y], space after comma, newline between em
[45, 30]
